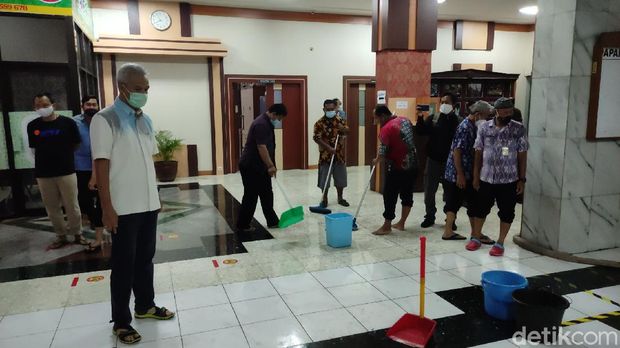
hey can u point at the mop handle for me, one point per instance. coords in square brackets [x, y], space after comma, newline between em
[283, 193]
[359, 206]
[329, 171]
[422, 273]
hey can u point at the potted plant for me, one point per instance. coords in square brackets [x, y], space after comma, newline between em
[166, 167]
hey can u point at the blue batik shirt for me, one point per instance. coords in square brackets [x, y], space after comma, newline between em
[464, 139]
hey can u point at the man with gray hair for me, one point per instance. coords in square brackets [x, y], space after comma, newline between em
[458, 177]
[123, 144]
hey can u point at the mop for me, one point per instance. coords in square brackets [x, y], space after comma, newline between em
[318, 208]
[359, 206]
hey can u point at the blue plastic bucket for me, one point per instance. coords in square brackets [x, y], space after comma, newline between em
[498, 288]
[339, 229]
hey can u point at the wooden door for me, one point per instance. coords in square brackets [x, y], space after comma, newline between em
[293, 127]
[369, 126]
[352, 109]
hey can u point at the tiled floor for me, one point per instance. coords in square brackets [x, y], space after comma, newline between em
[293, 289]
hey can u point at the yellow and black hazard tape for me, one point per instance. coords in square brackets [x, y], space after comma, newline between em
[606, 299]
[592, 318]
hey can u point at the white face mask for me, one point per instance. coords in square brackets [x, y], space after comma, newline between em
[445, 109]
[44, 112]
[479, 123]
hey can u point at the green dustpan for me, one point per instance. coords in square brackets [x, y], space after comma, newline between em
[291, 216]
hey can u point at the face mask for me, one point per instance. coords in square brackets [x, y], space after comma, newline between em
[137, 100]
[90, 112]
[330, 114]
[503, 120]
[445, 109]
[479, 123]
[45, 112]
[274, 122]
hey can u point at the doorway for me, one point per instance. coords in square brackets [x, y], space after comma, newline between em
[360, 101]
[247, 97]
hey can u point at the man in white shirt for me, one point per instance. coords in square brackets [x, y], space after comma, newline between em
[123, 143]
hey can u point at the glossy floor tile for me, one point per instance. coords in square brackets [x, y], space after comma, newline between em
[356, 294]
[287, 289]
[311, 301]
[276, 333]
[232, 337]
[261, 309]
[330, 324]
[378, 315]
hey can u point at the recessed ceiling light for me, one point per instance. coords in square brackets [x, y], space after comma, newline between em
[441, 1]
[529, 10]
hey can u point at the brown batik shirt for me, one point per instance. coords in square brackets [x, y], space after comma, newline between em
[328, 129]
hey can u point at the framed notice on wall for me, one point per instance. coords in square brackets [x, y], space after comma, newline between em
[604, 108]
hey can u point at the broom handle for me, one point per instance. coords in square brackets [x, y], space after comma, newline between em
[283, 193]
[422, 273]
[329, 172]
[359, 206]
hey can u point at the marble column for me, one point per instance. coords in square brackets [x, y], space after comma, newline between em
[572, 201]
[404, 35]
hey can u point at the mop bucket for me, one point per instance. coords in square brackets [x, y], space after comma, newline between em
[537, 310]
[339, 229]
[498, 288]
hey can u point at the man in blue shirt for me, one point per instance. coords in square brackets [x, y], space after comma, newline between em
[87, 192]
[458, 177]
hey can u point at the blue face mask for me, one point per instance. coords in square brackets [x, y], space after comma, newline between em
[330, 114]
[274, 122]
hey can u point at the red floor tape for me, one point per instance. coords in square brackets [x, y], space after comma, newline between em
[215, 264]
[75, 281]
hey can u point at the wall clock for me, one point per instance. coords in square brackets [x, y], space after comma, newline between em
[161, 20]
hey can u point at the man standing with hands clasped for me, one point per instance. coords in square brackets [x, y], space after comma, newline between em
[123, 144]
[499, 172]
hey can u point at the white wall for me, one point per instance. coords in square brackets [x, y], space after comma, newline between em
[324, 52]
[107, 21]
[179, 100]
[512, 54]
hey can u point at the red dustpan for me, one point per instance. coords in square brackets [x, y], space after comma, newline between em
[415, 330]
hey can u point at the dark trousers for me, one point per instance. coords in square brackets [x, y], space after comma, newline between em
[455, 197]
[88, 199]
[398, 183]
[133, 248]
[504, 194]
[433, 175]
[256, 184]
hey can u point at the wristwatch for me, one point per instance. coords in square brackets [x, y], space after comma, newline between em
[524, 180]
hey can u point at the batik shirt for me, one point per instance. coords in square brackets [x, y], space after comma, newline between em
[500, 147]
[397, 144]
[464, 139]
[327, 129]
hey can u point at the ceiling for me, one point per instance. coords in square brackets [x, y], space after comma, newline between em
[503, 11]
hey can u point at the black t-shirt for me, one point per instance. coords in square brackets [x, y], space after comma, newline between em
[54, 143]
[441, 135]
[261, 133]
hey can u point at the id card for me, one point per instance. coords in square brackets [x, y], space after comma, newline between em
[505, 151]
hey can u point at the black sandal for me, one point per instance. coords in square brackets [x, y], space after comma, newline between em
[93, 248]
[486, 240]
[161, 313]
[127, 335]
[454, 236]
[343, 202]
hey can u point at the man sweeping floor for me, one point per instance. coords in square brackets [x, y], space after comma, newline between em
[257, 167]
